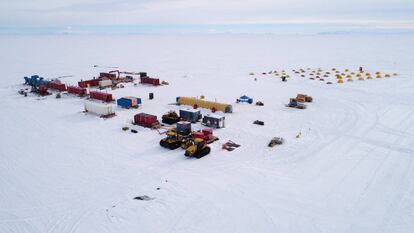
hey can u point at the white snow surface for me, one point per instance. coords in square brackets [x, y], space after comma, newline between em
[352, 169]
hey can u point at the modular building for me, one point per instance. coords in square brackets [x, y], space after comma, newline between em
[214, 121]
[129, 102]
[191, 115]
[57, 86]
[89, 83]
[101, 96]
[98, 108]
[105, 83]
[148, 80]
[77, 90]
[214, 106]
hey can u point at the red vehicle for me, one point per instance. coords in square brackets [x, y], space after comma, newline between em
[206, 135]
[152, 81]
[77, 90]
[57, 86]
[146, 120]
[101, 96]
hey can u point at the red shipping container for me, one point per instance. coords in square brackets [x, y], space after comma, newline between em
[77, 90]
[152, 81]
[57, 86]
[107, 75]
[101, 96]
[91, 83]
[146, 120]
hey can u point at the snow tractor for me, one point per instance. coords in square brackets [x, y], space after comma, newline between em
[198, 149]
[293, 103]
[173, 139]
[170, 118]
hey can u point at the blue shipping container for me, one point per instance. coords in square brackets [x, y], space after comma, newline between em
[128, 102]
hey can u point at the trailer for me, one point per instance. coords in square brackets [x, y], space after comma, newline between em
[146, 120]
[102, 110]
[214, 121]
[77, 90]
[191, 115]
[129, 102]
[57, 86]
[106, 97]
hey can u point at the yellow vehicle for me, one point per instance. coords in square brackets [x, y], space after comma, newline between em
[198, 149]
[173, 139]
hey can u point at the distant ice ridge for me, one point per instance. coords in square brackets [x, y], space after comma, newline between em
[256, 28]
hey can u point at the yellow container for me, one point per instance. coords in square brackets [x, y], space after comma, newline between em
[340, 81]
[378, 76]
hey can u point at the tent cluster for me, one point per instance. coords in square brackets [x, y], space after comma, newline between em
[330, 75]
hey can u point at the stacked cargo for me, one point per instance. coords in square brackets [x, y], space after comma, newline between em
[101, 96]
[103, 110]
[148, 80]
[146, 120]
[77, 90]
[129, 102]
[57, 86]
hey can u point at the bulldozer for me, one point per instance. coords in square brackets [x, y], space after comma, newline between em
[173, 139]
[170, 118]
[198, 149]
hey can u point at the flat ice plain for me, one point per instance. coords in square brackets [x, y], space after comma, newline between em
[352, 169]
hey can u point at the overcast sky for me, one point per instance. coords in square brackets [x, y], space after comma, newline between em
[43, 13]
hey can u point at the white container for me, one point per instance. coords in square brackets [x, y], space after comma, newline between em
[99, 109]
[105, 83]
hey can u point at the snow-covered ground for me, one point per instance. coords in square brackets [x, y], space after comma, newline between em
[352, 169]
